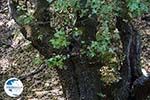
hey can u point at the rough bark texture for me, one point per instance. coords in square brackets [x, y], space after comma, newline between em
[141, 88]
[132, 85]
[80, 79]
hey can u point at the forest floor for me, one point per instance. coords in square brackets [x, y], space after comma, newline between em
[18, 58]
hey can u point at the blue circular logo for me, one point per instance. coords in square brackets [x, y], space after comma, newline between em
[13, 87]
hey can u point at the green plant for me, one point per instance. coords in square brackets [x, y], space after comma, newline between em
[59, 40]
[136, 7]
[25, 19]
[65, 17]
[56, 61]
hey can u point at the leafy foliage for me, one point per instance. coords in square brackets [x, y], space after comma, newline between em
[109, 75]
[37, 60]
[25, 19]
[59, 40]
[56, 61]
[136, 7]
[66, 15]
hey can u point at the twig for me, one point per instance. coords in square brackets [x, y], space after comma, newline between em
[32, 73]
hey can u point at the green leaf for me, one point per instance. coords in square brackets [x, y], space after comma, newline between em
[56, 61]
[59, 40]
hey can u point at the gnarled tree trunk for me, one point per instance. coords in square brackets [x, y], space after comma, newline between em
[80, 79]
[132, 85]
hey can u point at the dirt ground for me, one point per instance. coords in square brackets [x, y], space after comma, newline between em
[18, 58]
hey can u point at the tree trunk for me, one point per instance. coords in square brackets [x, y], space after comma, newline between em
[130, 70]
[79, 78]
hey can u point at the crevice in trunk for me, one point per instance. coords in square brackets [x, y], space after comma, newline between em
[130, 70]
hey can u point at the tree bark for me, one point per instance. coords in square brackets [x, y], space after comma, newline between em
[130, 87]
[79, 78]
